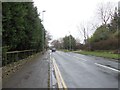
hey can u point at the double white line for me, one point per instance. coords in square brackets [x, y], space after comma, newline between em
[60, 81]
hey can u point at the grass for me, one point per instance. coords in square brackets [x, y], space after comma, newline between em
[100, 54]
[64, 50]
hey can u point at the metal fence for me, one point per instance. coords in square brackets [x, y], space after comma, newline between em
[14, 56]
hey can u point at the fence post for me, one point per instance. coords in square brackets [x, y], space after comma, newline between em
[5, 59]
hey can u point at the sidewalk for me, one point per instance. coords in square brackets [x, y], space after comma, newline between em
[34, 74]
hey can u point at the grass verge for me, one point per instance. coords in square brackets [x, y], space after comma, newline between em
[64, 50]
[100, 54]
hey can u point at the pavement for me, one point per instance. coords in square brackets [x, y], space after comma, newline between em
[82, 71]
[33, 74]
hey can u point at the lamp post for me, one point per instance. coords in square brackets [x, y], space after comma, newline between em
[43, 31]
[43, 16]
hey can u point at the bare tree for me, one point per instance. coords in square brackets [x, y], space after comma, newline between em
[105, 12]
[81, 29]
[48, 38]
[84, 31]
[58, 43]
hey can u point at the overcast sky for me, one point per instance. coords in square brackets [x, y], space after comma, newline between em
[63, 16]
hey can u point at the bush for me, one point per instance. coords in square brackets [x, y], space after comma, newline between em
[110, 44]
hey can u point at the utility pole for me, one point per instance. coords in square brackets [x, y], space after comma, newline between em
[84, 35]
[70, 40]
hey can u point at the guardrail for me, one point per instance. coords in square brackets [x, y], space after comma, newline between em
[14, 56]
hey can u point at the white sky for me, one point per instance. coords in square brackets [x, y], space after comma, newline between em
[63, 16]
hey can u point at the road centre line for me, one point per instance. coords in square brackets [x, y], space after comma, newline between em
[77, 57]
[106, 67]
[68, 54]
[80, 58]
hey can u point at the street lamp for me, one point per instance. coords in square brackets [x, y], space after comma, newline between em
[43, 31]
[43, 16]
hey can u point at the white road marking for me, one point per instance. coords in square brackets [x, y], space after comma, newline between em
[80, 58]
[73, 56]
[107, 67]
[77, 57]
[67, 54]
[50, 54]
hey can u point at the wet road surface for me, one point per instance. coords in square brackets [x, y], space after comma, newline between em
[81, 71]
[78, 71]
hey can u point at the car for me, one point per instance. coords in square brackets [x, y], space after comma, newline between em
[53, 49]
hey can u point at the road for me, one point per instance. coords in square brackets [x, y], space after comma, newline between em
[33, 74]
[82, 71]
[77, 71]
